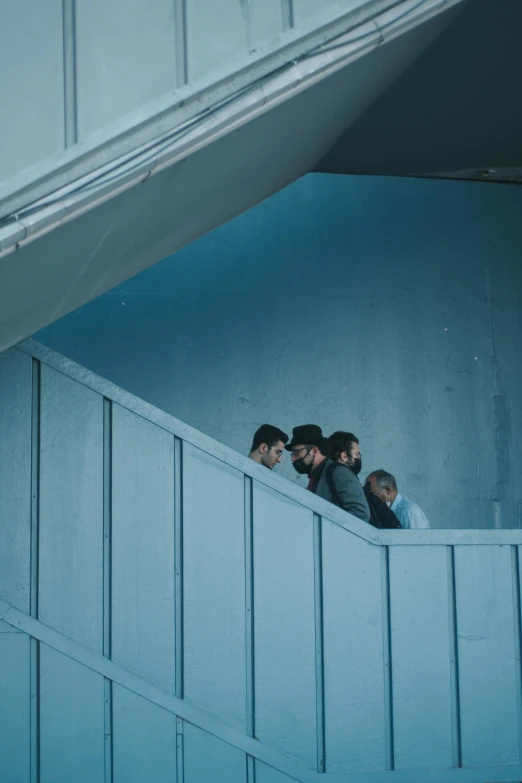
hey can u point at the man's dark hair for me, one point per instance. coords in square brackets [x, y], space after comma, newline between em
[340, 441]
[383, 479]
[269, 435]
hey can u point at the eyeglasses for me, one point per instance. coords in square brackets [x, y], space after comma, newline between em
[295, 452]
[279, 452]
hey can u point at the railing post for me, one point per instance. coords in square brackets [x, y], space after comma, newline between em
[107, 577]
[515, 569]
[387, 658]
[178, 598]
[35, 524]
[454, 660]
[319, 643]
[249, 620]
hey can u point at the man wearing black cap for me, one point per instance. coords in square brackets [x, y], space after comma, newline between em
[308, 447]
[307, 455]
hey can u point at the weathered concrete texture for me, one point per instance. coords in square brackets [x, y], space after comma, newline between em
[387, 307]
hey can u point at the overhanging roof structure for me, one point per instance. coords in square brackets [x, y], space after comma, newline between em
[456, 113]
[128, 134]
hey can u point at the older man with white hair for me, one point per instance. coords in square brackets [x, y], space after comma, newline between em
[409, 514]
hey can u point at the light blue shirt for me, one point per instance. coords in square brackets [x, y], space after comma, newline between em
[409, 514]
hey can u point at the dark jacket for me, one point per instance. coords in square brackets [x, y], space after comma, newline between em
[349, 494]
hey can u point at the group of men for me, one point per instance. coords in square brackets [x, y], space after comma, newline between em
[332, 466]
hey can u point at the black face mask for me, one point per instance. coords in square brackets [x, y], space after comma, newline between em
[357, 466]
[301, 467]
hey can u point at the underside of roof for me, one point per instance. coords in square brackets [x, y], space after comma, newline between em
[159, 141]
[455, 113]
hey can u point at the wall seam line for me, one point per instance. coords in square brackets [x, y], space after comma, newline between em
[387, 659]
[454, 660]
[517, 621]
[249, 619]
[107, 581]
[287, 11]
[69, 73]
[181, 42]
[34, 644]
[319, 644]
[178, 603]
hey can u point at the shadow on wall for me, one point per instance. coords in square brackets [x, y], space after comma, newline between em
[390, 308]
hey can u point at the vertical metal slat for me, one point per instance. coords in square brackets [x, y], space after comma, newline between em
[107, 542]
[178, 587]
[515, 569]
[287, 9]
[178, 563]
[454, 660]
[180, 32]
[387, 658]
[69, 72]
[319, 643]
[180, 764]
[249, 620]
[35, 519]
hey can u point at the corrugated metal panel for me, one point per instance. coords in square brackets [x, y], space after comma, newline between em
[284, 637]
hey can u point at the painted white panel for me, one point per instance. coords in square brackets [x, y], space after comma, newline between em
[214, 586]
[222, 36]
[125, 58]
[31, 87]
[307, 12]
[284, 660]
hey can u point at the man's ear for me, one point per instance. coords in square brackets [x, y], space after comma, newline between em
[263, 448]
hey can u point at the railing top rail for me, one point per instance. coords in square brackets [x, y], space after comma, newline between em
[446, 537]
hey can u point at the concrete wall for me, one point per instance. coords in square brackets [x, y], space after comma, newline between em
[387, 307]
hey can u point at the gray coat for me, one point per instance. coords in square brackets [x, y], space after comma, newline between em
[349, 494]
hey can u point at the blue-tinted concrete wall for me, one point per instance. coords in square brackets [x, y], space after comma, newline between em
[387, 307]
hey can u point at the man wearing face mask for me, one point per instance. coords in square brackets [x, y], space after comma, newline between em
[384, 486]
[307, 452]
[333, 478]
